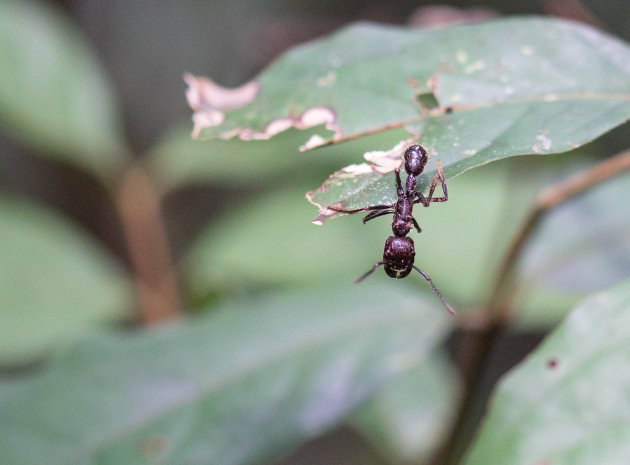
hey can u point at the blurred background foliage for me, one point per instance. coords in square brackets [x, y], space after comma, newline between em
[235, 217]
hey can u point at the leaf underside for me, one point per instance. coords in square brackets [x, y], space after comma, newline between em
[505, 87]
[241, 384]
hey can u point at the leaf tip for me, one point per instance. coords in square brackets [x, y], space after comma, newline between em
[324, 212]
[314, 142]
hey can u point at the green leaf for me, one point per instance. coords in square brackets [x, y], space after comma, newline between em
[53, 92]
[242, 384]
[408, 420]
[567, 404]
[55, 282]
[515, 86]
[470, 138]
[369, 75]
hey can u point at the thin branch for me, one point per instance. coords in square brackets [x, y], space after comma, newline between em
[138, 203]
[550, 198]
[477, 344]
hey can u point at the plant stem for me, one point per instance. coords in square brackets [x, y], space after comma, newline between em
[477, 343]
[138, 203]
[549, 198]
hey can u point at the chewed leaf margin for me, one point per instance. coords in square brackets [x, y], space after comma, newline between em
[526, 94]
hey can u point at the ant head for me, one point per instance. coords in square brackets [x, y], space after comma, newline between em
[398, 256]
[416, 158]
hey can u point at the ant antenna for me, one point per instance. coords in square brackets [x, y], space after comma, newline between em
[369, 272]
[426, 276]
[437, 293]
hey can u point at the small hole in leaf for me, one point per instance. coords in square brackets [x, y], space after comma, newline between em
[552, 363]
[428, 101]
[152, 447]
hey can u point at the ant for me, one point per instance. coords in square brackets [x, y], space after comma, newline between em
[399, 253]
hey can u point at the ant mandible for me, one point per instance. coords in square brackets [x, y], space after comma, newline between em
[399, 253]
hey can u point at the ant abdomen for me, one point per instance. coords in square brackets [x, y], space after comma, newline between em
[416, 158]
[398, 256]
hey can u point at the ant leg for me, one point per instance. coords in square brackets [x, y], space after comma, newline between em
[399, 189]
[439, 176]
[437, 293]
[398, 180]
[335, 208]
[365, 275]
[376, 214]
[415, 224]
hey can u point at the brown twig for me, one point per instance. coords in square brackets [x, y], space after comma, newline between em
[138, 203]
[477, 344]
[549, 198]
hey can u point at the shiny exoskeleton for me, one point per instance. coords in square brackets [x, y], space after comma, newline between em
[399, 253]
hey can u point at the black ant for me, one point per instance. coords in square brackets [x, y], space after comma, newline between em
[399, 252]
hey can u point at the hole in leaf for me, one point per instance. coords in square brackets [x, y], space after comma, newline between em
[152, 447]
[428, 101]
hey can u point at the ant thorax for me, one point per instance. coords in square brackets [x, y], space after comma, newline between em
[401, 226]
